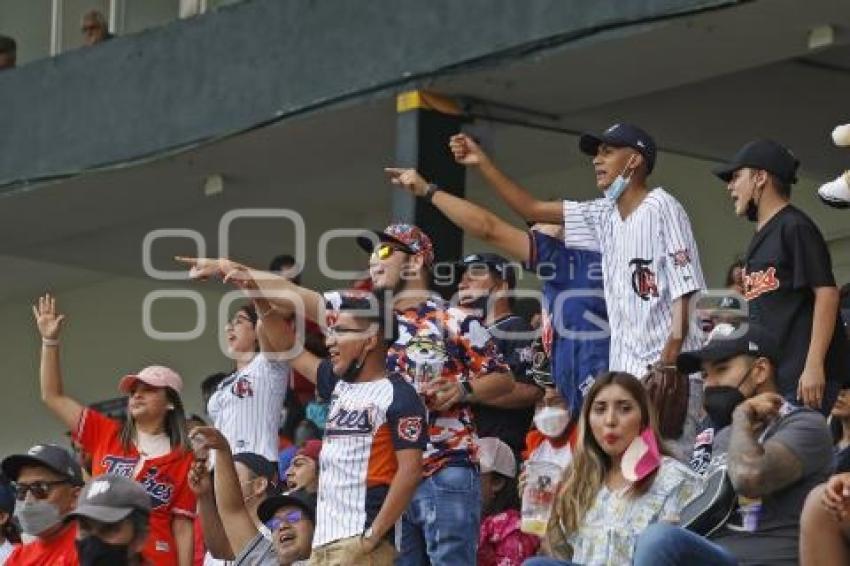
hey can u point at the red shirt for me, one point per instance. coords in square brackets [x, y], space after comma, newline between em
[58, 550]
[164, 478]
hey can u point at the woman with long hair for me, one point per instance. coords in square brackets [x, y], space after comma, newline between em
[246, 406]
[150, 445]
[620, 480]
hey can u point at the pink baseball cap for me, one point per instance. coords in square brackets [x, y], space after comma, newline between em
[155, 376]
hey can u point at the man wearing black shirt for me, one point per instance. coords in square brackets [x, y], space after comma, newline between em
[788, 280]
[486, 283]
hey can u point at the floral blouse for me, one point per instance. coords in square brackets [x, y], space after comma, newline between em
[610, 529]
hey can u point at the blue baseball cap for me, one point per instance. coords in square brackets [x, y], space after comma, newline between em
[621, 135]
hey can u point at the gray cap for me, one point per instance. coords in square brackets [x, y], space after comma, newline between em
[49, 456]
[110, 499]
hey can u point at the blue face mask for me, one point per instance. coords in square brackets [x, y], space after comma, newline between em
[317, 413]
[616, 189]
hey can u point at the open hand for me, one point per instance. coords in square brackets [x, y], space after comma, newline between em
[48, 321]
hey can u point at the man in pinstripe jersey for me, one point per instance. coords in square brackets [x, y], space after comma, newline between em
[650, 261]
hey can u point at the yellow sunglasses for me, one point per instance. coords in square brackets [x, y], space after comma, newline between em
[384, 250]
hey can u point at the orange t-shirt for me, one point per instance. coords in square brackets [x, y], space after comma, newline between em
[58, 550]
[164, 479]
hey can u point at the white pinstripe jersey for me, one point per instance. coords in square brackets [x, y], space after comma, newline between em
[649, 260]
[367, 423]
[246, 406]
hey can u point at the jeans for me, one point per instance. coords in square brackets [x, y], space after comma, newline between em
[663, 544]
[441, 524]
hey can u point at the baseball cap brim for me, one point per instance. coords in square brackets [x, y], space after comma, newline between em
[100, 513]
[691, 362]
[127, 383]
[589, 144]
[368, 244]
[725, 172]
[270, 505]
[12, 466]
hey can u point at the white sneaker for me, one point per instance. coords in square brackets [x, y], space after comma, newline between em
[836, 193]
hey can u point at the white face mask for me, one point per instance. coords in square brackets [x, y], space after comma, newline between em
[552, 421]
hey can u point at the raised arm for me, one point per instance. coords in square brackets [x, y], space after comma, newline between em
[49, 324]
[469, 153]
[215, 537]
[279, 335]
[238, 526]
[758, 469]
[277, 290]
[471, 218]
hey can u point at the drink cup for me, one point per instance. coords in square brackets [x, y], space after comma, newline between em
[537, 497]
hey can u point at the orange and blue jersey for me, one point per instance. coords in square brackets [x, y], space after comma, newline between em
[368, 422]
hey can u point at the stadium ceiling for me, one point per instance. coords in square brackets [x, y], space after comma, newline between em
[702, 82]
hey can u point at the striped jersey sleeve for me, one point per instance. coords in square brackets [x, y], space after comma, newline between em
[684, 274]
[582, 223]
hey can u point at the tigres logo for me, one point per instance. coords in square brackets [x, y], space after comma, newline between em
[242, 388]
[643, 279]
[758, 283]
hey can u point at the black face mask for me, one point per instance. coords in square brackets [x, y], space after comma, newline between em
[752, 211]
[720, 402]
[354, 368]
[92, 551]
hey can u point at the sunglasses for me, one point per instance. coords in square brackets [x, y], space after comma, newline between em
[39, 489]
[384, 250]
[290, 518]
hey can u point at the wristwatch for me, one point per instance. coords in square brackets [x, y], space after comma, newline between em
[429, 192]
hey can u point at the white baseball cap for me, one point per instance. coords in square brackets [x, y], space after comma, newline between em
[496, 456]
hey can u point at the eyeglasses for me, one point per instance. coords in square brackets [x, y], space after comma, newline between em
[384, 250]
[39, 489]
[238, 319]
[337, 331]
[290, 518]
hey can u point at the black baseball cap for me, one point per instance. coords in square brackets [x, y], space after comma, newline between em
[727, 341]
[762, 154]
[261, 466]
[111, 498]
[302, 499]
[622, 135]
[49, 456]
[497, 264]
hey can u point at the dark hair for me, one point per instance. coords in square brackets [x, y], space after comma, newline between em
[374, 310]
[9, 530]
[783, 188]
[282, 261]
[294, 414]
[8, 45]
[730, 273]
[175, 424]
[251, 311]
[210, 384]
[506, 498]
